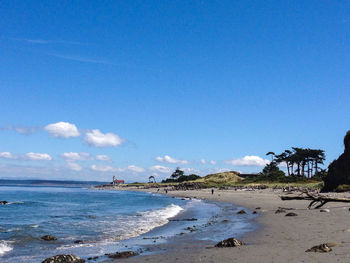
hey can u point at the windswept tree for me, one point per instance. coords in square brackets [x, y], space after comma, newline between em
[272, 155]
[151, 179]
[305, 160]
[178, 172]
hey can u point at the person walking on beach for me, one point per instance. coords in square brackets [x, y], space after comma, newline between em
[212, 191]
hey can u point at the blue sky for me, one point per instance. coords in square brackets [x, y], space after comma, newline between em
[151, 85]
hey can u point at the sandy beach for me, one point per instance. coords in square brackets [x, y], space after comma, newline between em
[279, 238]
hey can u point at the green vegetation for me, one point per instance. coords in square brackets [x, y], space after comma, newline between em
[220, 179]
[178, 177]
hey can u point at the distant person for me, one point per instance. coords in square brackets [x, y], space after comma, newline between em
[166, 191]
[212, 191]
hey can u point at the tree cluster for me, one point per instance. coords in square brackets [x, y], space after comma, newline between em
[179, 176]
[301, 162]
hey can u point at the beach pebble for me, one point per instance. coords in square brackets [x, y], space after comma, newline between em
[325, 210]
[48, 238]
[241, 212]
[125, 254]
[230, 242]
[323, 248]
[291, 214]
[64, 259]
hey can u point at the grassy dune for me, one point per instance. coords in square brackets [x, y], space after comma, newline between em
[232, 179]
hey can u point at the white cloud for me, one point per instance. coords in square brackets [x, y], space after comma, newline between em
[99, 139]
[74, 156]
[103, 157]
[62, 129]
[191, 170]
[74, 166]
[38, 156]
[160, 169]
[7, 155]
[102, 168]
[136, 169]
[168, 159]
[203, 161]
[249, 160]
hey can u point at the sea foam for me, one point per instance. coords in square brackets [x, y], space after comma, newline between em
[144, 222]
[4, 247]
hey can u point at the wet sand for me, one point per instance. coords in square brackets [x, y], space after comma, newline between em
[279, 239]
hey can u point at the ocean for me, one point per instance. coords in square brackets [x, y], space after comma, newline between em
[89, 222]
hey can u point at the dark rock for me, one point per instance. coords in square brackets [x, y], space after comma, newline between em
[48, 238]
[280, 210]
[230, 242]
[254, 212]
[191, 229]
[225, 221]
[64, 259]
[323, 248]
[258, 208]
[241, 212]
[339, 170]
[291, 214]
[125, 254]
[78, 241]
[3, 202]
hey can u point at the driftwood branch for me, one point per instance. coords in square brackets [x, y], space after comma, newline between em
[315, 199]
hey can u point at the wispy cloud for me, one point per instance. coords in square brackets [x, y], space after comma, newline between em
[46, 41]
[99, 61]
[84, 59]
[26, 130]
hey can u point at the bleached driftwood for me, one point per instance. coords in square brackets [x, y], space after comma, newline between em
[322, 199]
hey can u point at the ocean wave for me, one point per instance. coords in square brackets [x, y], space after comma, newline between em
[144, 222]
[5, 247]
[15, 203]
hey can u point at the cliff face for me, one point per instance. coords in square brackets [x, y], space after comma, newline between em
[339, 170]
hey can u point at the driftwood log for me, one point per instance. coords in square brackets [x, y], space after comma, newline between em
[315, 199]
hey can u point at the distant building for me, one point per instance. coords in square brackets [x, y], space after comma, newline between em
[116, 181]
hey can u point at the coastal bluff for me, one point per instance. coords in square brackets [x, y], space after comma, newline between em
[339, 170]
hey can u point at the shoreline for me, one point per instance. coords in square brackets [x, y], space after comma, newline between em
[278, 239]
